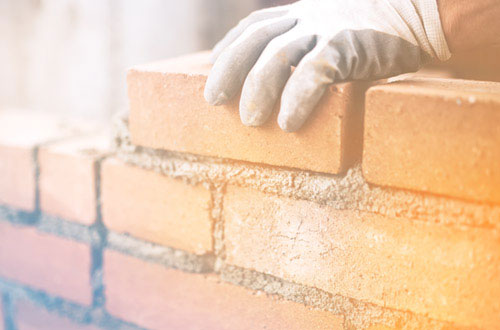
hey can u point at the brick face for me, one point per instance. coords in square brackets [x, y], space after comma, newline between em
[168, 111]
[156, 208]
[32, 317]
[58, 266]
[17, 177]
[20, 133]
[67, 178]
[437, 136]
[444, 272]
[158, 298]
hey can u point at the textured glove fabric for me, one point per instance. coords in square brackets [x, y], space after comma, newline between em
[328, 41]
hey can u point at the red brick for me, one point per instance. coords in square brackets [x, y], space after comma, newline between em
[444, 272]
[32, 317]
[56, 265]
[168, 111]
[433, 135]
[156, 208]
[20, 133]
[159, 298]
[67, 178]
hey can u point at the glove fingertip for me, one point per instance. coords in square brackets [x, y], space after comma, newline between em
[215, 98]
[288, 125]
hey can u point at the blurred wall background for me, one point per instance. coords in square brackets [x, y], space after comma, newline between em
[70, 56]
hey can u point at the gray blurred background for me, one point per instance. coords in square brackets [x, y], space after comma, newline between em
[69, 57]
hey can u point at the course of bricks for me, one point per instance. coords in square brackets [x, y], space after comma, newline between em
[383, 213]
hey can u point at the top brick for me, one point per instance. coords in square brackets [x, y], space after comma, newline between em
[435, 135]
[168, 111]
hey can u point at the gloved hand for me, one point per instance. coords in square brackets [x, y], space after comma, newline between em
[329, 41]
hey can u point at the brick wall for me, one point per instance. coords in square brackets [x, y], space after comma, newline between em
[381, 214]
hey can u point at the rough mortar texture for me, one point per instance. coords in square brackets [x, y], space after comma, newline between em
[358, 315]
[348, 191]
[163, 255]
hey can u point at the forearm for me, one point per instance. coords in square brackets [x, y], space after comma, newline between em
[470, 24]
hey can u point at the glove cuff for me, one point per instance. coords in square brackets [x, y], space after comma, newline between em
[422, 16]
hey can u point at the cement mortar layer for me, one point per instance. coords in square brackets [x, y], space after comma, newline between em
[158, 254]
[347, 191]
[358, 314]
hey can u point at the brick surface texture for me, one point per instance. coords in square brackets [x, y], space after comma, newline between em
[20, 133]
[168, 111]
[57, 265]
[159, 298]
[32, 317]
[437, 136]
[67, 178]
[156, 208]
[444, 272]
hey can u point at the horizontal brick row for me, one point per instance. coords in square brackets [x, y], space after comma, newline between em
[32, 317]
[156, 208]
[53, 264]
[437, 136]
[431, 135]
[168, 111]
[155, 297]
[444, 272]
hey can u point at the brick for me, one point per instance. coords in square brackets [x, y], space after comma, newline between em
[20, 133]
[56, 265]
[437, 136]
[156, 208]
[168, 111]
[159, 298]
[68, 178]
[444, 272]
[32, 317]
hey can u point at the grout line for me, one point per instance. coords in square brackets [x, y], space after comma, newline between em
[347, 191]
[98, 244]
[75, 312]
[357, 314]
[159, 254]
[36, 162]
[8, 311]
[216, 213]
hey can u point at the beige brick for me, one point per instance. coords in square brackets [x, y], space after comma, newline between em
[440, 271]
[159, 298]
[433, 135]
[156, 208]
[53, 264]
[67, 177]
[168, 111]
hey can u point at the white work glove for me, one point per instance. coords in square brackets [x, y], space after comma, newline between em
[329, 41]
